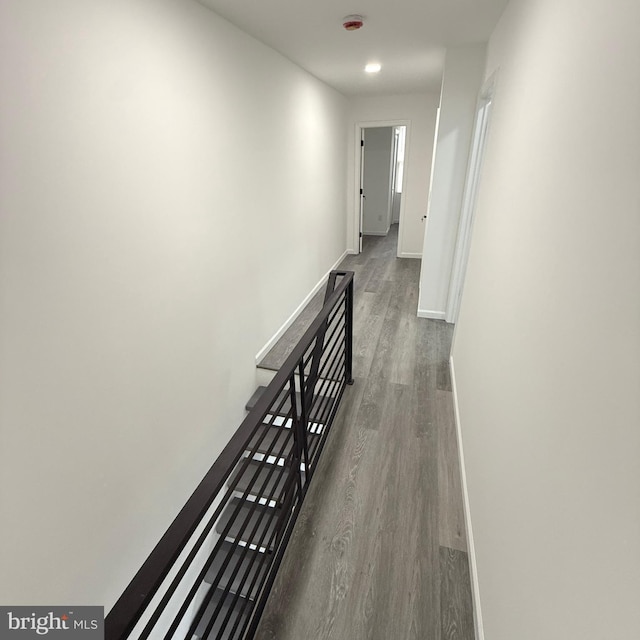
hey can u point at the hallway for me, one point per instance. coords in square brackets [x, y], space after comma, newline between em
[379, 549]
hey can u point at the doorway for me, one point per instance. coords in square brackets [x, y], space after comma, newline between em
[381, 166]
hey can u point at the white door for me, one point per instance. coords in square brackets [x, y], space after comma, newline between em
[468, 206]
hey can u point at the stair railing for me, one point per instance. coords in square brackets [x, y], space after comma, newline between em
[211, 573]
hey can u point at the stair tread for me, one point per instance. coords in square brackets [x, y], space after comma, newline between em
[273, 441]
[286, 407]
[222, 614]
[267, 523]
[287, 401]
[269, 482]
[250, 564]
[277, 441]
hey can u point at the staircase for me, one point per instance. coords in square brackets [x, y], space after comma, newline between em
[261, 484]
[210, 575]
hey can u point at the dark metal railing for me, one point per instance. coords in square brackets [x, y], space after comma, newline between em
[211, 573]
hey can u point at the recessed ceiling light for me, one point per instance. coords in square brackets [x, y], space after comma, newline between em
[373, 67]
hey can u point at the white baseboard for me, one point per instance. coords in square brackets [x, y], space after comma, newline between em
[291, 319]
[434, 315]
[409, 255]
[475, 585]
[375, 233]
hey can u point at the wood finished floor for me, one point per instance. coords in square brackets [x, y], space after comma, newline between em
[379, 549]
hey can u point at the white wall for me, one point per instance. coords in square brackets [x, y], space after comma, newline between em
[377, 180]
[154, 199]
[462, 80]
[421, 110]
[547, 348]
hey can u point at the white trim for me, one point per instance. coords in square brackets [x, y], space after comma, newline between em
[470, 196]
[473, 566]
[291, 319]
[357, 174]
[410, 255]
[427, 313]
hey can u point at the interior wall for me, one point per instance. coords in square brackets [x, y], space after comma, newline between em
[547, 347]
[464, 67]
[154, 198]
[377, 180]
[421, 110]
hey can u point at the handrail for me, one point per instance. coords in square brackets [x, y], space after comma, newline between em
[132, 604]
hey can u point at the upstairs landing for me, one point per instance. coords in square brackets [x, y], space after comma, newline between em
[379, 548]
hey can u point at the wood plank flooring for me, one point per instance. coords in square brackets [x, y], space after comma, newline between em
[379, 549]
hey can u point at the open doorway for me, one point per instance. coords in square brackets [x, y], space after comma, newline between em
[381, 169]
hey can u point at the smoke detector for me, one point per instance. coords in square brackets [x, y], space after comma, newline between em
[352, 23]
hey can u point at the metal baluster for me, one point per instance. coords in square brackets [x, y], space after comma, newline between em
[305, 401]
[297, 438]
[348, 364]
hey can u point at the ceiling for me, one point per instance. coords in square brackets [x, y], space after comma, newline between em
[407, 37]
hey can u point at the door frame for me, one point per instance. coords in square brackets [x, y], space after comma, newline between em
[357, 200]
[470, 197]
[394, 171]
